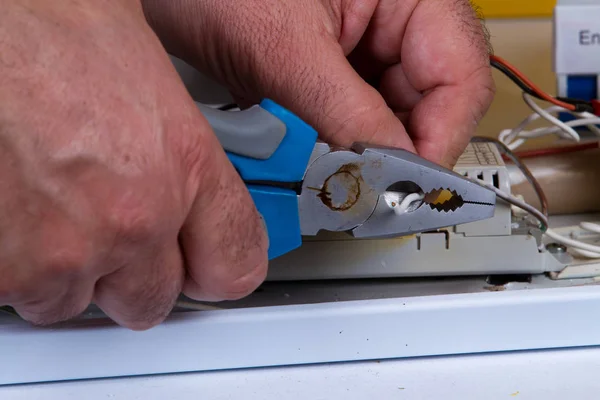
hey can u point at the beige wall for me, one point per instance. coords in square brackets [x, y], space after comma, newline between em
[528, 45]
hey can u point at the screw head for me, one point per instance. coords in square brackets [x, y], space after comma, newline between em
[556, 248]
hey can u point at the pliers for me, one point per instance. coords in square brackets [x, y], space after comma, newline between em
[301, 186]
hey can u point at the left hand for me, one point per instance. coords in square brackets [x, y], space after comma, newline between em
[405, 73]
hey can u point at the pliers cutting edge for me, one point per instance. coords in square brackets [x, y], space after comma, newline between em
[302, 186]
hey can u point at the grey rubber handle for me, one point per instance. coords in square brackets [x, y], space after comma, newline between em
[253, 132]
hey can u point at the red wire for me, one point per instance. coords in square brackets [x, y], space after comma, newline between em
[532, 85]
[557, 150]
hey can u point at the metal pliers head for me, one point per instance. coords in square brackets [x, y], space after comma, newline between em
[361, 191]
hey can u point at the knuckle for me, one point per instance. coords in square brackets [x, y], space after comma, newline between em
[140, 301]
[67, 260]
[42, 314]
[143, 324]
[146, 315]
[133, 219]
[237, 287]
[141, 311]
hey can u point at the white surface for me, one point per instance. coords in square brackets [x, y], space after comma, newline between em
[571, 56]
[314, 333]
[549, 375]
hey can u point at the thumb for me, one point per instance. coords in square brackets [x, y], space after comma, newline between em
[223, 238]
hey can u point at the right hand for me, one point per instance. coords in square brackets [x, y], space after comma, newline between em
[113, 188]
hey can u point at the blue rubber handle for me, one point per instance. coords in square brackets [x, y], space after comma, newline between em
[279, 207]
[288, 163]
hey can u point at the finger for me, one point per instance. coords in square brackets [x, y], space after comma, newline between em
[398, 92]
[458, 76]
[438, 49]
[44, 264]
[56, 300]
[453, 110]
[278, 55]
[224, 239]
[141, 293]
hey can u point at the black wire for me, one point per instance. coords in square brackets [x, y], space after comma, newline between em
[519, 163]
[580, 105]
[524, 87]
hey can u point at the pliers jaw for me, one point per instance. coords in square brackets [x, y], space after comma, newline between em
[334, 196]
[350, 190]
[394, 170]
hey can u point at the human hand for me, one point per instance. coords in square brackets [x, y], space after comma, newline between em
[407, 73]
[113, 187]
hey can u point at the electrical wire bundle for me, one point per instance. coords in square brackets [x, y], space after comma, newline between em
[586, 113]
[533, 90]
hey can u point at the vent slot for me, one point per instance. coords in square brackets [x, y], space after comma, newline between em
[480, 176]
[496, 180]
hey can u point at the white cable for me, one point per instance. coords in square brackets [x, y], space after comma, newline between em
[590, 122]
[406, 202]
[550, 118]
[516, 137]
[512, 134]
[584, 253]
[590, 118]
[590, 249]
[590, 226]
[515, 201]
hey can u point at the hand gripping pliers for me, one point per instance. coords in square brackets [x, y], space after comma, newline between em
[301, 186]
